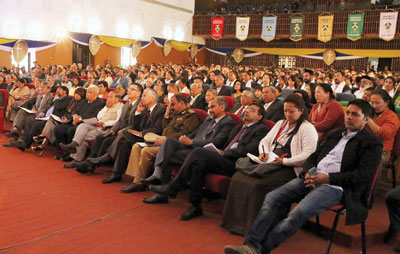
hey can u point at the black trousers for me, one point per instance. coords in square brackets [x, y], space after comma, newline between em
[32, 128]
[393, 205]
[100, 145]
[197, 165]
[64, 133]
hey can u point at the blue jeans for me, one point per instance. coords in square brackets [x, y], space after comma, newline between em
[266, 233]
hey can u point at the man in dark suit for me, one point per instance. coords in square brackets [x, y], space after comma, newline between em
[148, 118]
[242, 139]
[344, 165]
[103, 142]
[221, 88]
[240, 107]
[272, 106]
[42, 103]
[197, 99]
[215, 129]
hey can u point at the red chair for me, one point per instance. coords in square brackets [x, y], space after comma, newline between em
[3, 108]
[30, 85]
[237, 119]
[230, 102]
[339, 210]
[185, 94]
[201, 114]
[268, 123]
[395, 154]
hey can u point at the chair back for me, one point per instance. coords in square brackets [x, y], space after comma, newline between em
[268, 123]
[345, 97]
[372, 186]
[4, 92]
[185, 94]
[230, 102]
[237, 119]
[396, 145]
[201, 114]
[286, 92]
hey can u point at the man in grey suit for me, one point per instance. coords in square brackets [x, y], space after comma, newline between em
[125, 122]
[215, 129]
[147, 119]
[273, 107]
[42, 103]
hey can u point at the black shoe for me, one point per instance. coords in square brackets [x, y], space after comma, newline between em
[191, 213]
[100, 160]
[37, 149]
[156, 199]
[388, 235]
[19, 144]
[72, 164]
[133, 187]
[151, 180]
[70, 148]
[61, 156]
[66, 158]
[38, 139]
[10, 144]
[84, 167]
[163, 190]
[12, 134]
[112, 178]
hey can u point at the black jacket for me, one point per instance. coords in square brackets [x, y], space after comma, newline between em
[361, 158]
[274, 111]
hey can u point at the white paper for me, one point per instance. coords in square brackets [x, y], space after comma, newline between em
[211, 147]
[57, 118]
[271, 158]
[43, 118]
[27, 110]
[142, 144]
[170, 96]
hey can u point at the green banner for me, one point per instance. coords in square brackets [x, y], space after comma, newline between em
[296, 27]
[355, 26]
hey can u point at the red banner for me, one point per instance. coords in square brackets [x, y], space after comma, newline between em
[217, 27]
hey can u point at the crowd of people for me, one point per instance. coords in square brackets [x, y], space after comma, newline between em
[281, 134]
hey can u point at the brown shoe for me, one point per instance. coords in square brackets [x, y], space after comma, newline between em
[133, 187]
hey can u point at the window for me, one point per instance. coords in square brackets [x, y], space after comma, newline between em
[287, 61]
[27, 61]
[126, 57]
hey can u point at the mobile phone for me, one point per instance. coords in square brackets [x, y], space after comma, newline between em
[313, 171]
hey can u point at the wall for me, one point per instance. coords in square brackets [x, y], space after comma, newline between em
[60, 54]
[108, 53]
[5, 59]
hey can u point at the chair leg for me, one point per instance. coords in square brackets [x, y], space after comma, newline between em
[332, 233]
[318, 225]
[364, 247]
[394, 175]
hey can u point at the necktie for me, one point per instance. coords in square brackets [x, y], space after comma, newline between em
[202, 135]
[240, 112]
[236, 138]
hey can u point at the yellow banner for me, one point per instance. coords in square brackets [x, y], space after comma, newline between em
[325, 27]
[116, 42]
[4, 41]
[180, 46]
[286, 51]
[370, 52]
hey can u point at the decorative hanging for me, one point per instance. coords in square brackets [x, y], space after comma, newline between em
[136, 47]
[193, 50]
[20, 50]
[242, 27]
[94, 44]
[329, 56]
[325, 26]
[167, 48]
[387, 25]
[355, 25]
[296, 27]
[268, 28]
[238, 55]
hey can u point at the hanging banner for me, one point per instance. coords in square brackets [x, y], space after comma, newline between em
[94, 44]
[355, 25]
[268, 28]
[217, 27]
[325, 27]
[238, 55]
[387, 25]
[20, 49]
[167, 48]
[242, 28]
[193, 50]
[296, 27]
[329, 56]
[136, 47]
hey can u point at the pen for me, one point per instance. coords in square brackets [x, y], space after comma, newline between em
[263, 149]
[284, 155]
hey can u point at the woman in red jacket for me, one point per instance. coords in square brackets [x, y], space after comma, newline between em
[327, 114]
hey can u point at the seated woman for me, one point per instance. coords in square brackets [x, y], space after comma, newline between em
[293, 139]
[103, 87]
[385, 122]
[238, 88]
[47, 135]
[327, 114]
[18, 94]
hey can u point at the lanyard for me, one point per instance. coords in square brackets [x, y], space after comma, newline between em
[283, 131]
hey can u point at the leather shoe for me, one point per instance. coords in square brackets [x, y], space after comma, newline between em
[112, 178]
[191, 213]
[10, 144]
[133, 187]
[99, 160]
[156, 199]
[244, 249]
[70, 148]
[12, 134]
[38, 139]
[163, 190]
[72, 164]
[151, 180]
[84, 167]
[66, 158]
[19, 144]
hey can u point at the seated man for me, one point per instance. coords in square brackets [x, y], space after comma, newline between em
[102, 142]
[41, 104]
[215, 129]
[242, 139]
[92, 127]
[273, 107]
[197, 99]
[178, 120]
[240, 107]
[148, 118]
[345, 163]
